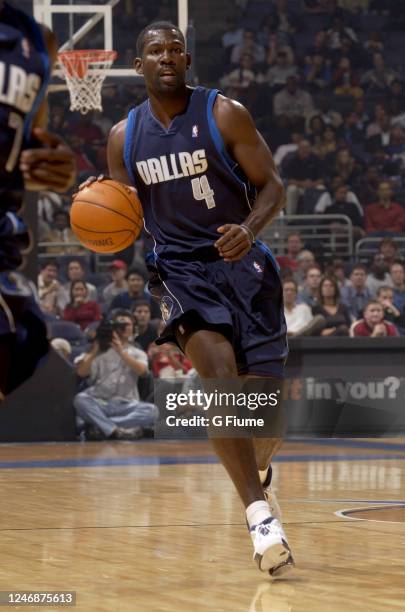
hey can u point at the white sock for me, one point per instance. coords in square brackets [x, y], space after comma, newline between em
[257, 512]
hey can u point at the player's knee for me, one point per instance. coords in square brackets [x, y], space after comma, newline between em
[219, 371]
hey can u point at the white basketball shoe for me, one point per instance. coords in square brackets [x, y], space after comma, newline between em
[270, 545]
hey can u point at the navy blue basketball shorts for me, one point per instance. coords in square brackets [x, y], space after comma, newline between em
[23, 336]
[242, 300]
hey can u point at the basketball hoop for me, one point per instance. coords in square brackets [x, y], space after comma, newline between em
[85, 71]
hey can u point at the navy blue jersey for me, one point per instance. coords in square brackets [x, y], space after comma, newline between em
[24, 72]
[187, 183]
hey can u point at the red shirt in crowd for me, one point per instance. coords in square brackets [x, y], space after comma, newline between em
[378, 218]
[84, 314]
[360, 328]
[284, 261]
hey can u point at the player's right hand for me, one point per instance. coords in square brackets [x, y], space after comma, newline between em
[93, 179]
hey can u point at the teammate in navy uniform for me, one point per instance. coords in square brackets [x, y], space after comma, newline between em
[30, 158]
[208, 185]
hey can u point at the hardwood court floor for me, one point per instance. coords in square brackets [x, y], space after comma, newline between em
[158, 527]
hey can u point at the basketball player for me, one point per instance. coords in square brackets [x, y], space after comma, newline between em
[32, 158]
[208, 185]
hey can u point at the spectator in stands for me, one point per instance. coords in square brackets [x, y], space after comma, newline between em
[338, 32]
[389, 250]
[385, 296]
[380, 77]
[396, 145]
[83, 162]
[373, 325]
[326, 199]
[112, 402]
[48, 203]
[385, 216]
[136, 291]
[299, 318]
[374, 44]
[80, 309]
[118, 271]
[303, 171]
[366, 185]
[274, 39]
[381, 133]
[52, 296]
[277, 75]
[357, 294]
[294, 247]
[317, 73]
[292, 102]
[345, 165]
[329, 115]
[309, 294]
[76, 271]
[336, 315]
[378, 124]
[341, 206]
[305, 260]
[61, 233]
[345, 80]
[146, 331]
[337, 269]
[241, 77]
[328, 143]
[379, 275]
[397, 271]
[284, 150]
[249, 46]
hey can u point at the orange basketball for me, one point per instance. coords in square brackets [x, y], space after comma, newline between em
[106, 216]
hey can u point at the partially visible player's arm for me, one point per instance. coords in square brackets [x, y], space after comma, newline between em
[53, 165]
[115, 153]
[247, 147]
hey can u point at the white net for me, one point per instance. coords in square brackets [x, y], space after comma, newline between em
[85, 72]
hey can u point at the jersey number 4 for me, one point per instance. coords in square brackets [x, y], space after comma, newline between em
[16, 122]
[203, 191]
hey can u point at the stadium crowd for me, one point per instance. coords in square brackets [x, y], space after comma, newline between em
[324, 82]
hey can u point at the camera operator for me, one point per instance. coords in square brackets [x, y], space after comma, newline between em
[111, 403]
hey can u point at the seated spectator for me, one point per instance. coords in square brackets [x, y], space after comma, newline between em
[309, 293]
[61, 232]
[118, 271]
[299, 319]
[357, 294]
[277, 75]
[249, 46]
[146, 332]
[292, 102]
[381, 134]
[294, 246]
[389, 250]
[385, 296]
[305, 260]
[344, 165]
[384, 216]
[380, 77]
[345, 80]
[112, 403]
[341, 206]
[374, 44]
[271, 37]
[396, 145]
[372, 324]
[283, 151]
[337, 269]
[241, 77]
[136, 291]
[338, 31]
[366, 185]
[326, 199]
[317, 73]
[379, 275]
[319, 47]
[303, 171]
[378, 123]
[168, 361]
[80, 309]
[327, 144]
[397, 271]
[329, 115]
[76, 271]
[336, 315]
[52, 296]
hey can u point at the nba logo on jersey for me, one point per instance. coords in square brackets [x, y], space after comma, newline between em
[194, 131]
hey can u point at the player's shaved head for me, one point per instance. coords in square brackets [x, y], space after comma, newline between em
[154, 27]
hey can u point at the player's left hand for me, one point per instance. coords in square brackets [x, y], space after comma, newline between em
[235, 243]
[52, 166]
